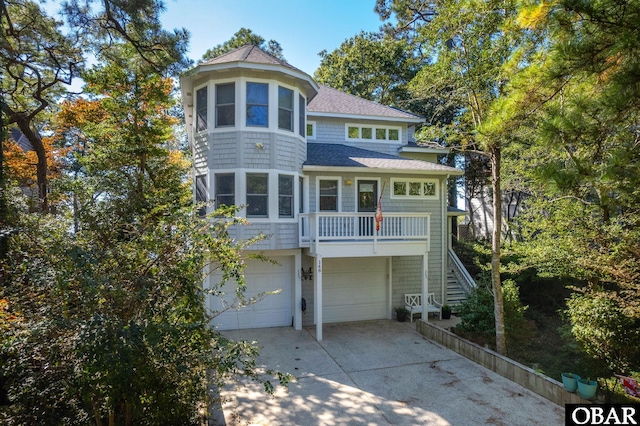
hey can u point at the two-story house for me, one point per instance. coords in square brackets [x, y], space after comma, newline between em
[311, 164]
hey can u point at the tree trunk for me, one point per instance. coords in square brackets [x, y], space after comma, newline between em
[4, 213]
[498, 303]
[42, 167]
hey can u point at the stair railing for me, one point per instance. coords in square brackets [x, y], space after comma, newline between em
[462, 275]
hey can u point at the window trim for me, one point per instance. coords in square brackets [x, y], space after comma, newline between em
[374, 129]
[422, 181]
[338, 181]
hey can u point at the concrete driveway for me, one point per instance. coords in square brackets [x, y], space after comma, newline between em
[377, 373]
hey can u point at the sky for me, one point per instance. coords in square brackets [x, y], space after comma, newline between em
[302, 27]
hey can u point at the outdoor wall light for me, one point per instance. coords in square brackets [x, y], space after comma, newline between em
[348, 182]
[306, 275]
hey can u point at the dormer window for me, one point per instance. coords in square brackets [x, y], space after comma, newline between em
[285, 109]
[201, 109]
[225, 105]
[258, 104]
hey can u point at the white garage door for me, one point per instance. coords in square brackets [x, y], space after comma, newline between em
[274, 310]
[354, 289]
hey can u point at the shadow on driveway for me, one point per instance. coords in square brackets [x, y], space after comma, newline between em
[377, 373]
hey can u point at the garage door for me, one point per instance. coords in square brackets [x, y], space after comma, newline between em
[273, 310]
[354, 289]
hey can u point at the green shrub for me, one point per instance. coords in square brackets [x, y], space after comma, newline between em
[477, 314]
[605, 333]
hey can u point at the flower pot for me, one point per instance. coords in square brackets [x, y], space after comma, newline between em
[401, 316]
[570, 381]
[446, 314]
[587, 388]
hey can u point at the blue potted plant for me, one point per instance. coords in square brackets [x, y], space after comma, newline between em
[587, 388]
[570, 381]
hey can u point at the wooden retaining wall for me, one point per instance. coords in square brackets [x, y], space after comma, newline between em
[538, 383]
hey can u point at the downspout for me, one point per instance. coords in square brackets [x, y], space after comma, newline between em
[443, 245]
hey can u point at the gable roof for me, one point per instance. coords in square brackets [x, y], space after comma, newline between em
[332, 102]
[323, 156]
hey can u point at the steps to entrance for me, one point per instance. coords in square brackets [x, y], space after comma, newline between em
[455, 292]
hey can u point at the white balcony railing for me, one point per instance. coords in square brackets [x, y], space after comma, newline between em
[317, 228]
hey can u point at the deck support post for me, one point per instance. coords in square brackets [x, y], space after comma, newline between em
[318, 297]
[425, 285]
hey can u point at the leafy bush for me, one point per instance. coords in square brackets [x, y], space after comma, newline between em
[605, 332]
[477, 313]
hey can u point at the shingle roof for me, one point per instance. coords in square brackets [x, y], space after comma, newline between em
[21, 140]
[338, 155]
[332, 101]
[249, 53]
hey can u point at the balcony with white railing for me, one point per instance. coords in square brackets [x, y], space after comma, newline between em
[354, 234]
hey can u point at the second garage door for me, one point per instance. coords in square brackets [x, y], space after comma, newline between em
[354, 289]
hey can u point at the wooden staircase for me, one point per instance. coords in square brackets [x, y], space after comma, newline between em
[455, 292]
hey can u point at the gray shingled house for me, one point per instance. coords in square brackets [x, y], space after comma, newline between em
[311, 165]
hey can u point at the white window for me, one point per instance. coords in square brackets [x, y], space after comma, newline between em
[225, 189]
[311, 129]
[202, 193]
[285, 196]
[225, 105]
[285, 108]
[359, 132]
[258, 104]
[257, 195]
[414, 188]
[328, 195]
[201, 109]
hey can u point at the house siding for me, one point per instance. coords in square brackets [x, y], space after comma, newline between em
[223, 153]
[407, 277]
[280, 236]
[254, 150]
[200, 154]
[333, 131]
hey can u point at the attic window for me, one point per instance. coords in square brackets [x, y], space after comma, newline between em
[358, 132]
